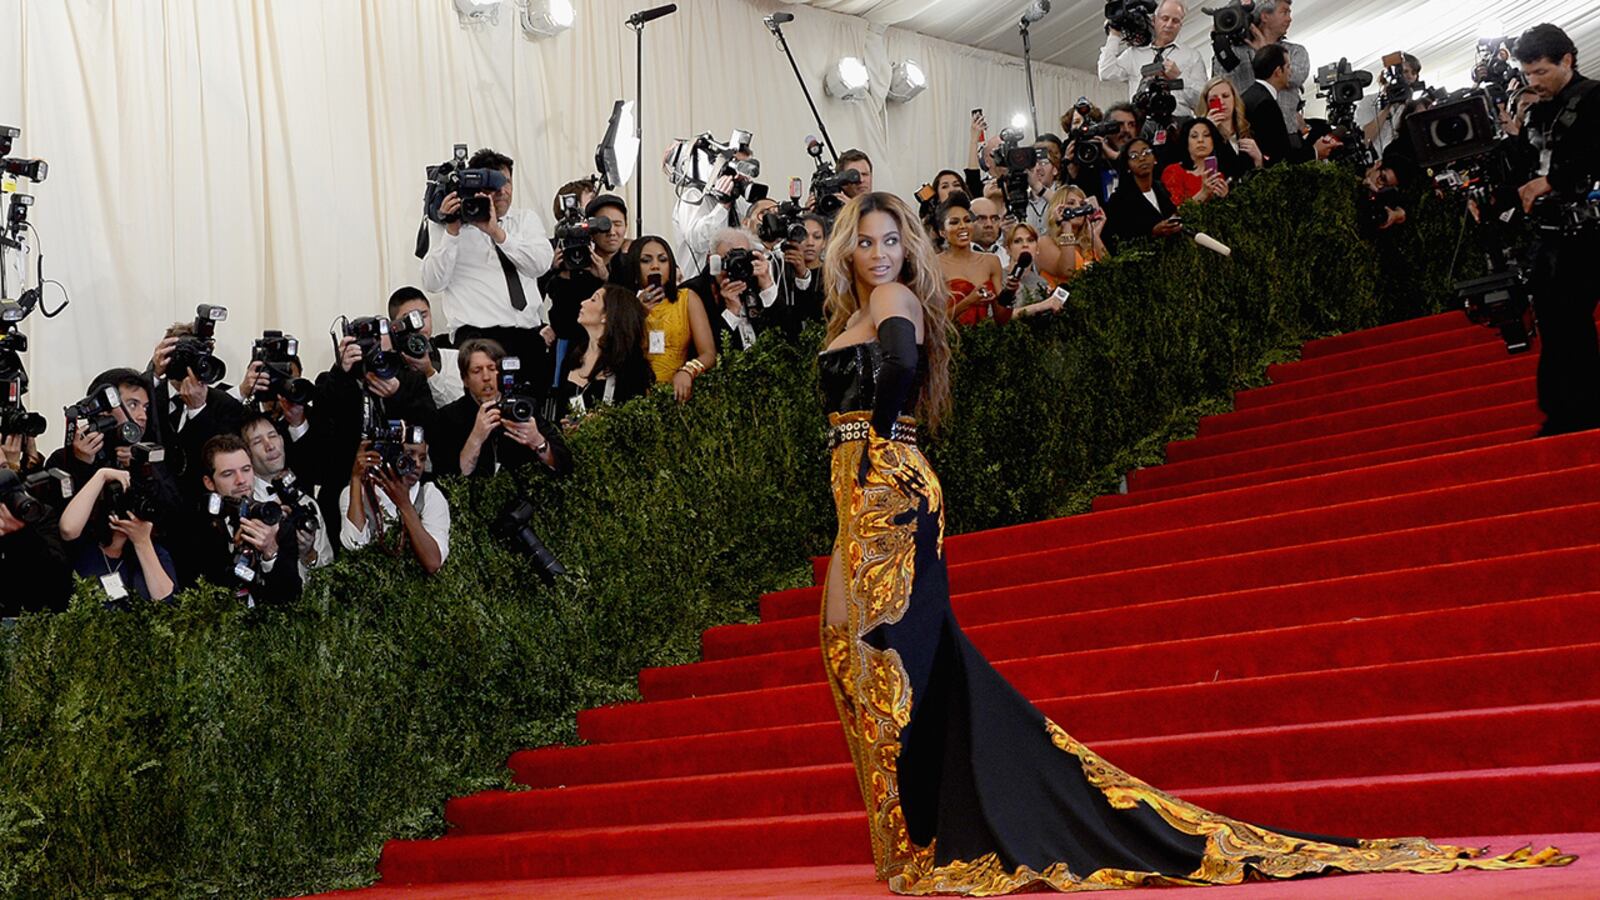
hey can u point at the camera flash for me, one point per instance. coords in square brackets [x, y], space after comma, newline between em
[1019, 120]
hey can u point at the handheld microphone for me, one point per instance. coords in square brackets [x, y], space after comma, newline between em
[1024, 261]
[1208, 242]
[1037, 10]
[650, 15]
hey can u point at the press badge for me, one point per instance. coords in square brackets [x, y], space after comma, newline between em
[658, 343]
[115, 589]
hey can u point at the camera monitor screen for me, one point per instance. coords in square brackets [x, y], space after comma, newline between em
[1455, 131]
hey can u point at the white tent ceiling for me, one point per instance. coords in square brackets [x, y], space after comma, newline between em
[1443, 33]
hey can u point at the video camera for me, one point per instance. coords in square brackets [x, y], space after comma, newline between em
[1133, 19]
[827, 183]
[96, 411]
[1494, 71]
[277, 352]
[1085, 150]
[1154, 97]
[1343, 86]
[516, 403]
[514, 527]
[1230, 28]
[196, 353]
[1016, 160]
[368, 332]
[389, 440]
[31, 498]
[576, 235]
[697, 164]
[472, 185]
[786, 224]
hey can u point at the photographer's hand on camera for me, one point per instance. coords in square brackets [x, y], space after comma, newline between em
[86, 445]
[255, 379]
[525, 433]
[349, 353]
[162, 355]
[382, 387]
[260, 536]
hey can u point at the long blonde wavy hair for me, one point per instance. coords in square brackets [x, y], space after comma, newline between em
[920, 272]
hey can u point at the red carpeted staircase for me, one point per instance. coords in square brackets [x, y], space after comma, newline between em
[1365, 602]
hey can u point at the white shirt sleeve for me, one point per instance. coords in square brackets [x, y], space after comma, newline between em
[436, 518]
[445, 384]
[527, 244]
[1112, 65]
[440, 262]
[769, 294]
[1192, 69]
[350, 535]
[323, 545]
[702, 235]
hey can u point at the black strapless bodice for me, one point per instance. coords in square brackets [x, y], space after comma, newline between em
[849, 378]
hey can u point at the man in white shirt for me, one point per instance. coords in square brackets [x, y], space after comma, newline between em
[273, 480]
[986, 233]
[729, 301]
[439, 366]
[487, 272]
[1381, 124]
[697, 222]
[1121, 61]
[379, 495]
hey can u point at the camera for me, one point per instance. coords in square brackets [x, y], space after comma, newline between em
[455, 177]
[389, 440]
[405, 335]
[786, 223]
[368, 332]
[576, 235]
[515, 404]
[31, 169]
[1230, 23]
[1132, 18]
[32, 497]
[14, 417]
[1086, 151]
[232, 512]
[513, 526]
[196, 353]
[697, 164]
[302, 516]
[142, 498]
[739, 264]
[1016, 160]
[96, 411]
[1343, 87]
[1154, 97]
[277, 352]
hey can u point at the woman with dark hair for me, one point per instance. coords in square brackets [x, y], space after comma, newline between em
[673, 327]
[606, 364]
[945, 185]
[1199, 176]
[969, 788]
[1140, 206]
[972, 278]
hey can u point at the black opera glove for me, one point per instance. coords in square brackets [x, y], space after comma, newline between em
[897, 372]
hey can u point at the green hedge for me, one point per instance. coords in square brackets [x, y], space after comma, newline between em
[203, 749]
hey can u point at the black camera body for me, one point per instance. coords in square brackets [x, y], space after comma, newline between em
[739, 264]
[278, 352]
[96, 413]
[1016, 160]
[786, 223]
[406, 335]
[514, 527]
[196, 353]
[1343, 87]
[826, 184]
[14, 417]
[389, 441]
[1231, 22]
[142, 498]
[1085, 152]
[1154, 97]
[1133, 19]
[302, 516]
[368, 332]
[31, 498]
[455, 177]
[576, 234]
[516, 403]
[232, 512]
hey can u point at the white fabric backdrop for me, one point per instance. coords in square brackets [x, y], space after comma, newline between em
[268, 156]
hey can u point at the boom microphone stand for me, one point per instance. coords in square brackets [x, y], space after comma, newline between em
[775, 25]
[1036, 11]
[637, 22]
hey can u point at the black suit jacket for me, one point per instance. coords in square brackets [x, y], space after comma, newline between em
[214, 551]
[1266, 125]
[1129, 215]
[221, 415]
[454, 426]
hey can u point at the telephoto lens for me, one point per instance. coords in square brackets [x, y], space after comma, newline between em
[514, 527]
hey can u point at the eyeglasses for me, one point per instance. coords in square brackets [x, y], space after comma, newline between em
[1141, 154]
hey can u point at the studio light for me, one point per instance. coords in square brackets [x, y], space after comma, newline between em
[1019, 121]
[847, 80]
[618, 153]
[478, 12]
[547, 18]
[906, 81]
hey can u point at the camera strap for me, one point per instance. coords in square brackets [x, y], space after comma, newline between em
[519, 298]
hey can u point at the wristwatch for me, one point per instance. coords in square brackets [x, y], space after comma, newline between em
[539, 450]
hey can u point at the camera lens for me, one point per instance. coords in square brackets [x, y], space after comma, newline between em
[209, 369]
[130, 432]
[297, 390]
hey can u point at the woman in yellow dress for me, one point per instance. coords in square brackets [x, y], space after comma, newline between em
[678, 338]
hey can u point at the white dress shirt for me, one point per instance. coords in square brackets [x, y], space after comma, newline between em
[1121, 61]
[320, 543]
[431, 505]
[695, 226]
[1389, 130]
[465, 271]
[445, 383]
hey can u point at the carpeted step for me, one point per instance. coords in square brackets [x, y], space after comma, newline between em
[1522, 799]
[1497, 738]
[1517, 436]
[1520, 414]
[1098, 718]
[1393, 351]
[1035, 656]
[1454, 320]
[1475, 539]
[1511, 368]
[1464, 359]
[1400, 412]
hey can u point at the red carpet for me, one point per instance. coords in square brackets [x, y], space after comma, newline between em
[1364, 602]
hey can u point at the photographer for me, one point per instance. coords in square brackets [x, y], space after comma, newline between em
[103, 553]
[739, 292]
[439, 365]
[488, 271]
[1380, 121]
[1041, 184]
[1563, 129]
[1386, 179]
[269, 460]
[678, 339]
[91, 449]
[1121, 61]
[256, 556]
[567, 286]
[1099, 178]
[33, 563]
[858, 160]
[305, 448]
[474, 438]
[379, 494]
[185, 411]
[800, 290]
[697, 224]
[1141, 206]
[1262, 106]
[1270, 21]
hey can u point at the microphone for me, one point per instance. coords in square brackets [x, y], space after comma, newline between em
[1037, 10]
[1209, 242]
[781, 18]
[1024, 260]
[650, 15]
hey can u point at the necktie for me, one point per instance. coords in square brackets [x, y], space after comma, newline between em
[519, 299]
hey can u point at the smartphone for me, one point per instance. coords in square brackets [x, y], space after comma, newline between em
[654, 280]
[796, 189]
[977, 113]
[925, 193]
[1211, 164]
[1214, 104]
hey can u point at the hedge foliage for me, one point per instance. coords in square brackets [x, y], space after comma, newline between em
[202, 749]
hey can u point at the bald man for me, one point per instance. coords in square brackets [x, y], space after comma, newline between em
[986, 229]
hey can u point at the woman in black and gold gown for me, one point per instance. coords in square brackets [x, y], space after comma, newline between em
[969, 789]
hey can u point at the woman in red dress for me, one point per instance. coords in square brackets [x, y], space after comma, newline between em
[972, 277]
